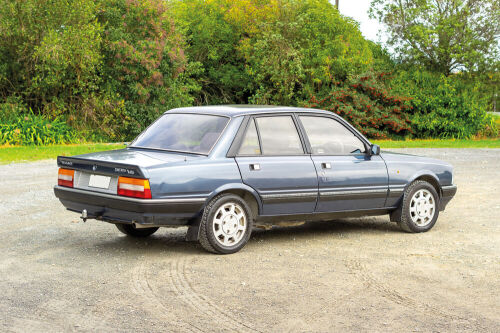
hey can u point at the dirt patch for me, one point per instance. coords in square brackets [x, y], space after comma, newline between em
[59, 274]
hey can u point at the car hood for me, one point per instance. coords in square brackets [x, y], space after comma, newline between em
[409, 158]
[139, 157]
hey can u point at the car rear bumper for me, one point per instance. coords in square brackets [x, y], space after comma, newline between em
[116, 209]
[448, 192]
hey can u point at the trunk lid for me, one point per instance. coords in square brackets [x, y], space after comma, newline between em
[130, 162]
[100, 171]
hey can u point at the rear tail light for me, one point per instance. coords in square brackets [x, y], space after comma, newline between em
[133, 187]
[65, 177]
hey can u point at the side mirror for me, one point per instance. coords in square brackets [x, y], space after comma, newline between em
[375, 150]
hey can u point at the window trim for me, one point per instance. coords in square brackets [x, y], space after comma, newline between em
[235, 152]
[239, 136]
[343, 123]
[243, 136]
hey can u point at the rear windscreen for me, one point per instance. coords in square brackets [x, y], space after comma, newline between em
[191, 133]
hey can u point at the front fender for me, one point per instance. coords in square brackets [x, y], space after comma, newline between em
[426, 173]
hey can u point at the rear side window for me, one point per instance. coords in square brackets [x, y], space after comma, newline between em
[329, 137]
[250, 144]
[279, 136]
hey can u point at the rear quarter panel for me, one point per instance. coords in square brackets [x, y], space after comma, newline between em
[198, 178]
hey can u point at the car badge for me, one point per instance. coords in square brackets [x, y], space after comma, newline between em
[94, 167]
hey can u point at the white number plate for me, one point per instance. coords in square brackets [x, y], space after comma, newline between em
[99, 181]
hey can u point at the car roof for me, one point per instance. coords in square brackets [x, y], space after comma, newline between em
[243, 109]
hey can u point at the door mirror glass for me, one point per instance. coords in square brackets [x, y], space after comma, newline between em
[375, 150]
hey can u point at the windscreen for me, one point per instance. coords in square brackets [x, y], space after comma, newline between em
[191, 133]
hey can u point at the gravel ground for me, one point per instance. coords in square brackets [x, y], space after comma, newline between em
[59, 274]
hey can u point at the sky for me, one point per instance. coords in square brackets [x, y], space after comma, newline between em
[358, 10]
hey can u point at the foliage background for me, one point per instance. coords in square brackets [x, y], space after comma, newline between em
[105, 69]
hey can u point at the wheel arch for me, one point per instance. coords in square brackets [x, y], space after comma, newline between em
[430, 177]
[425, 175]
[246, 192]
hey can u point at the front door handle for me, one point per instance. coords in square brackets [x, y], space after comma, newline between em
[326, 165]
[254, 167]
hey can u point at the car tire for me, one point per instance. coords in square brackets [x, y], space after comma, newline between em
[419, 207]
[226, 224]
[131, 230]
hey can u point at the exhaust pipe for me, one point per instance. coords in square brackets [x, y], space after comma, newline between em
[84, 215]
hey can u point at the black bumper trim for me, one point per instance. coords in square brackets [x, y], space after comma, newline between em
[112, 208]
[133, 200]
[448, 192]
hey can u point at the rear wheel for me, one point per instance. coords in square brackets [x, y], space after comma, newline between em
[226, 224]
[131, 230]
[419, 210]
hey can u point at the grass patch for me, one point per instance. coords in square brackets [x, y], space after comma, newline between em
[10, 154]
[436, 143]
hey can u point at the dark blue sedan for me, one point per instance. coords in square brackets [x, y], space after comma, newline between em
[222, 169]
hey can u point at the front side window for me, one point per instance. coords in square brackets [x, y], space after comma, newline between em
[329, 137]
[191, 133]
[279, 136]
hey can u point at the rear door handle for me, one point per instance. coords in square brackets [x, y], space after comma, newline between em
[326, 165]
[254, 167]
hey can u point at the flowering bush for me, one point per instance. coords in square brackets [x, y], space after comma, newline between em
[368, 104]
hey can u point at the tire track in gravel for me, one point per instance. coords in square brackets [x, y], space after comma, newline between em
[183, 288]
[142, 287]
[359, 269]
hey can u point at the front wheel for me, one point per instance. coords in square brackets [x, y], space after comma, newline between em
[226, 224]
[131, 230]
[420, 209]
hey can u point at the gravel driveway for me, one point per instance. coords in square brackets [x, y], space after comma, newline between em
[60, 274]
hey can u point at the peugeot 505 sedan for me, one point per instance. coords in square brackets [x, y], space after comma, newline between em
[222, 169]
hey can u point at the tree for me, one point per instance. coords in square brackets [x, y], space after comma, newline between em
[443, 35]
[144, 62]
[49, 53]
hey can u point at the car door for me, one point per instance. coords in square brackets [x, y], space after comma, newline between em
[272, 160]
[349, 178]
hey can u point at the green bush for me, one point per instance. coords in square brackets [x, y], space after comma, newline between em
[37, 130]
[50, 53]
[110, 67]
[212, 38]
[444, 107]
[269, 52]
[145, 65]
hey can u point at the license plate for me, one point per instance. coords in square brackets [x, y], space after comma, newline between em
[99, 181]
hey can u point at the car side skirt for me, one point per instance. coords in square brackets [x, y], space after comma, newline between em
[323, 216]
